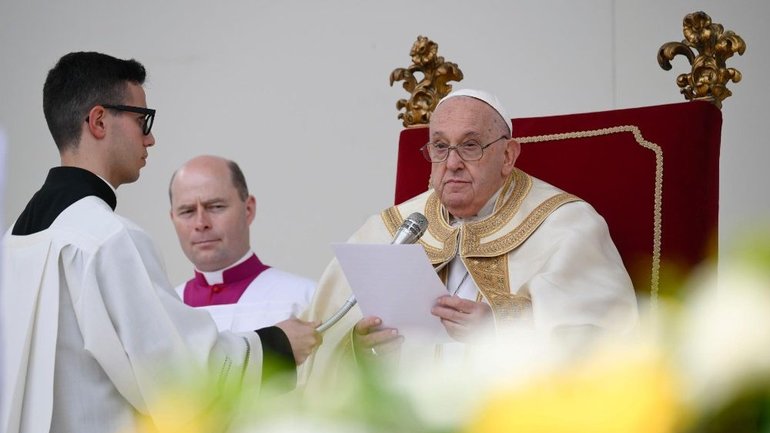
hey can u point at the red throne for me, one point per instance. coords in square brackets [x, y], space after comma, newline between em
[651, 172]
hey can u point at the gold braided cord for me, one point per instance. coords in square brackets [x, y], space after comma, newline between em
[658, 199]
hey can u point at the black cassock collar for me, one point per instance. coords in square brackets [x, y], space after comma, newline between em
[63, 187]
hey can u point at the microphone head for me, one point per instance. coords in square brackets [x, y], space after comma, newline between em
[411, 230]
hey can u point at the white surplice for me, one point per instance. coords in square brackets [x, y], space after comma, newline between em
[93, 332]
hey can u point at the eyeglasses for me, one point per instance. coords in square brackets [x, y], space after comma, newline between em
[149, 115]
[439, 152]
[147, 121]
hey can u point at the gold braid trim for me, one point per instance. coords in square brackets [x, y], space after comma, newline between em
[440, 229]
[507, 206]
[392, 219]
[658, 197]
[472, 246]
[507, 209]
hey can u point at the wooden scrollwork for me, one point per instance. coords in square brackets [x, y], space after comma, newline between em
[424, 94]
[710, 75]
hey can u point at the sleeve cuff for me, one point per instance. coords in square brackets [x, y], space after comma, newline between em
[278, 358]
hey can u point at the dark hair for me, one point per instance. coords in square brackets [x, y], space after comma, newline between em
[239, 181]
[78, 82]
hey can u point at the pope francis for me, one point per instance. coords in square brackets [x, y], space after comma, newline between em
[513, 251]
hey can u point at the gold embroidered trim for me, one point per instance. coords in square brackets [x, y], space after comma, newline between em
[440, 229]
[521, 183]
[470, 235]
[491, 277]
[472, 246]
[392, 219]
[658, 197]
[505, 210]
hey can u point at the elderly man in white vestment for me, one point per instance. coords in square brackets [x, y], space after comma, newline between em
[93, 332]
[211, 209]
[511, 249]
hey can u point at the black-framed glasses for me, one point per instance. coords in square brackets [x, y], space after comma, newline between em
[147, 121]
[439, 152]
[149, 114]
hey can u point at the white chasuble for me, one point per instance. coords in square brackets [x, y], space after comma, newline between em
[543, 260]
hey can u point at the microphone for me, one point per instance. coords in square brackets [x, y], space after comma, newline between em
[411, 231]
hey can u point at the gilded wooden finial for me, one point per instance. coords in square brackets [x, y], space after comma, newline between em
[709, 76]
[426, 93]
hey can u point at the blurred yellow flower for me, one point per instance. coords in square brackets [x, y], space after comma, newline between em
[605, 394]
[180, 412]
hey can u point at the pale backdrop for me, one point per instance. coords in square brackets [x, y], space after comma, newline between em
[297, 92]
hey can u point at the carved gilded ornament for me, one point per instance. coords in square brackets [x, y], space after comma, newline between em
[709, 77]
[424, 94]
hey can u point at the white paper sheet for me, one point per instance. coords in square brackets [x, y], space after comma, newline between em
[396, 283]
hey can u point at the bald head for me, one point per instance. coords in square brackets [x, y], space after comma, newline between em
[211, 210]
[214, 164]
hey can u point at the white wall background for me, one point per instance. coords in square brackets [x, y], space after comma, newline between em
[297, 92]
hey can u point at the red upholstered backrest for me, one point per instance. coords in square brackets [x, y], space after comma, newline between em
[651, 172]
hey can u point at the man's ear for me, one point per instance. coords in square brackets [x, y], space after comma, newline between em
[251, 208]
[96, 122]
[510, 155]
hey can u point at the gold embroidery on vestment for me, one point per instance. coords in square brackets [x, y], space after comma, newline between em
[392, 219]
[491, 276]
[472, 245]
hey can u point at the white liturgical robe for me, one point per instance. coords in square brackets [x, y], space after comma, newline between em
[92, 329]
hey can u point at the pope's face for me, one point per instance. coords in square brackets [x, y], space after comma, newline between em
[211, 220]
[464, 187]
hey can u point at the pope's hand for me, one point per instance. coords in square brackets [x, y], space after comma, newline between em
[462, 318]
[371, 341]
[302, 336]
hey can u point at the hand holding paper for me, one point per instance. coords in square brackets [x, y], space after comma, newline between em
[463, 318]
[396, 283]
